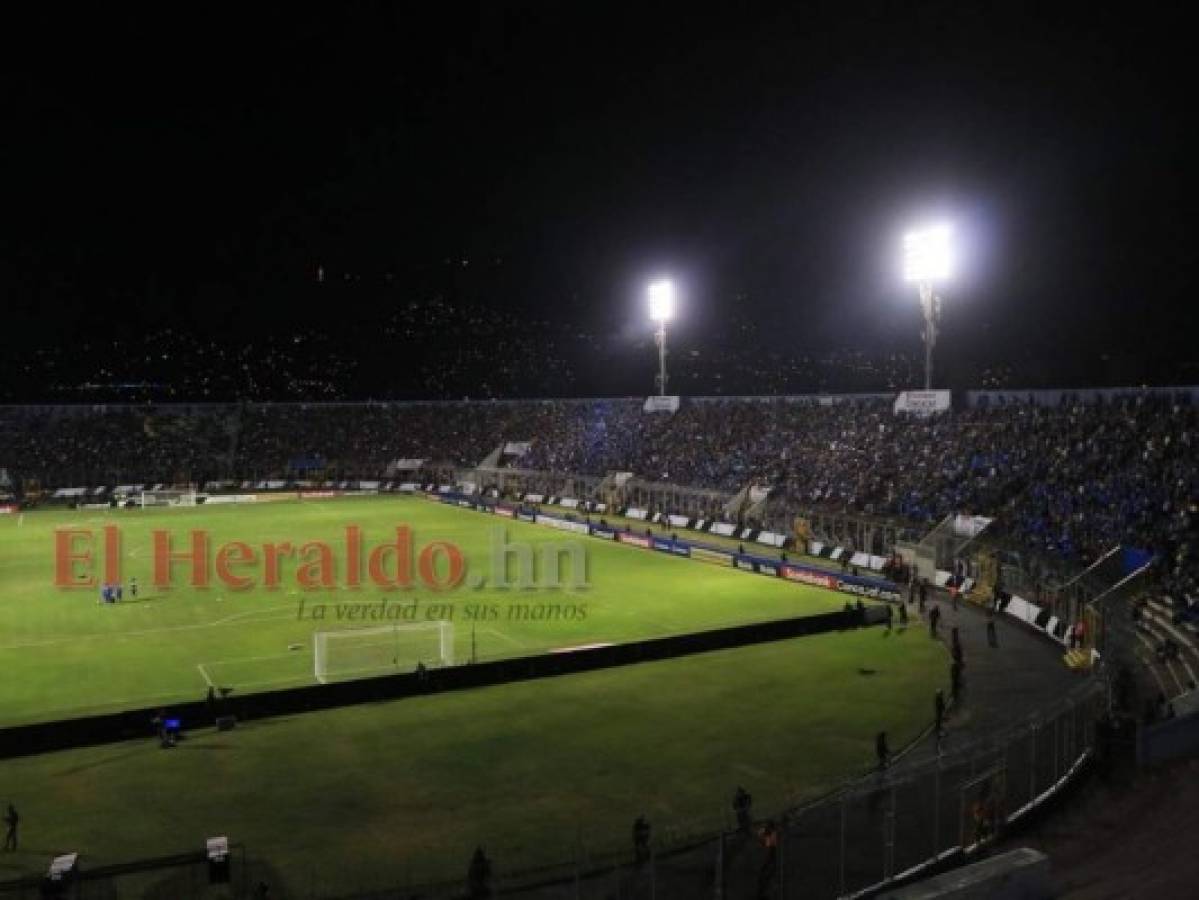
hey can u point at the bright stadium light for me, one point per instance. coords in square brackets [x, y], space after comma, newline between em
[928, 255]
[928, 261]
[661, 310]
[661, 300]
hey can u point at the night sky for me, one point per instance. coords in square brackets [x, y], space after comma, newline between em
[196, 172]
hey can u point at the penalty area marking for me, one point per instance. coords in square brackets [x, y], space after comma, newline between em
[506, 637]
[204, 670]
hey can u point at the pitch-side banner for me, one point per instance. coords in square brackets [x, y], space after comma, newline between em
[564, 524]
[713, 556]
[922, 403]
[810, 576]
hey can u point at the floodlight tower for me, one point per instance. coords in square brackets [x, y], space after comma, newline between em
[928, 261]
[661, 310]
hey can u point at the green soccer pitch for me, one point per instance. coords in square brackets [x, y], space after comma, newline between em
[63, 653]
[375, 797]
[393, 794]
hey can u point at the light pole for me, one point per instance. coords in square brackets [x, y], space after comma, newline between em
[927, 261]
[661, 310]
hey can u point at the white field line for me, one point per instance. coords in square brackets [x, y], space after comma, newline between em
[204, 672]
[168, 629]
[507, 637]
[250, 659]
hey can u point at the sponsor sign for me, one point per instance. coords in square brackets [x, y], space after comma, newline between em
[634, 513]
[668, 546]
[534, 498]
[922, 403]
[678, 521]
[661, 404]
[232, 498]
[8, 509]
[407, 464]
[743, 563]
[565, 524]
[569, 503]
[969, 526]
[526, 517]
[768, 569]
[606, 533]
[874, 592]
[723, 528]
[318, 495]
[506, 511]
[810, 576]
[635, 539]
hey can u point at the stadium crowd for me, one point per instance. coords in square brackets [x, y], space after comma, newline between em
[1071, 479]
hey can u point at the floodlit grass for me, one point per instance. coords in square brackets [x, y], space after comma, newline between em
[63, 653]
[375, 796]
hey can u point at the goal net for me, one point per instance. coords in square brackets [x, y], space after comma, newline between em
[169, 497]
[361, 652]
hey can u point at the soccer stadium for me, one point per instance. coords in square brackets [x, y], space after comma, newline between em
[518, 452]
[535, 693]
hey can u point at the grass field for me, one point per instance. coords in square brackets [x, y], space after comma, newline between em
[372, 796]
[63, 653]
[379, 795]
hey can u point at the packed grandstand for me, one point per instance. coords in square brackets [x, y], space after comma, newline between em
[1067, 475]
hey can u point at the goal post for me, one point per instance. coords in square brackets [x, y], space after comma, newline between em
[362, 652]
